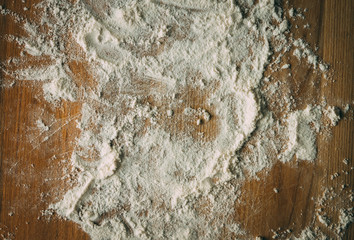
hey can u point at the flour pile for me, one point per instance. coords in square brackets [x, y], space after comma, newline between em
[149, 168]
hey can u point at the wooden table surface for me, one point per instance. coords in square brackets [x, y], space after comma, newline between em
[30, 178]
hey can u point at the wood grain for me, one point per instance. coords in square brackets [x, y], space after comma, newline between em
[30, 172]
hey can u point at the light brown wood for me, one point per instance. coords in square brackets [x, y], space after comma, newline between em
[30, 172]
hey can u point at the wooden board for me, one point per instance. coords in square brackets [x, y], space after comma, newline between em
[31, 179]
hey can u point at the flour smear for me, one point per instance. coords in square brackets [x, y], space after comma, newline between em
[142, 175]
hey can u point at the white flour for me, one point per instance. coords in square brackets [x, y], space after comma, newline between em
[302, 137]
[60, 88]
[139, 178]
[333, 115]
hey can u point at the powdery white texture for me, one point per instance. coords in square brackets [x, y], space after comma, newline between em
[60, 88]
[303, 51]
[108, 162]
[214, 37]
[159, 165]
[310, 234]
[333, 114]
[144, 182]
[41, 126]
[71, 198]
[346, 217]
[302, 137]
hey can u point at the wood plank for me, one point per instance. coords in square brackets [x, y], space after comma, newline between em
[27, 189]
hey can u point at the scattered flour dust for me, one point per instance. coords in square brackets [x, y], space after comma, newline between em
[302, 138]
[144, 181]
